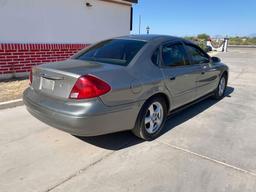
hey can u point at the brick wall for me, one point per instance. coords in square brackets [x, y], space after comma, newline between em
[18, 58]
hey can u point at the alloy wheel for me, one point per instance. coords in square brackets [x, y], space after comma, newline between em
[154, 117]
[222, 86]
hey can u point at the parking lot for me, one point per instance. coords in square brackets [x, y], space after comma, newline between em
[210, 146]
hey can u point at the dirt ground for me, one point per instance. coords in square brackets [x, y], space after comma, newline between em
[10, 90]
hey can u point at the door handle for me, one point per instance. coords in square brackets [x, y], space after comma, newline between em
[202, 72]
[172, 78]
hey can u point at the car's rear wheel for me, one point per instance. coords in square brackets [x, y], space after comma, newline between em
[220, 91]
[151, 119]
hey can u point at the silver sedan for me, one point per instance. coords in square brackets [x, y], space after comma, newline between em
[125, 83]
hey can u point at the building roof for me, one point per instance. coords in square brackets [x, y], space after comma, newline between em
[132, 1]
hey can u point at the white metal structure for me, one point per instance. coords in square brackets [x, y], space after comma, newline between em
[222, 48]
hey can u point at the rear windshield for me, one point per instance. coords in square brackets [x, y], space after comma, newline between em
[114, 51]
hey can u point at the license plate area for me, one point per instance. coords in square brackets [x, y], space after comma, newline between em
[46, 84]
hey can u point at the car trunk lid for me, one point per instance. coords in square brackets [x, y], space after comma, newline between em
[57, 79]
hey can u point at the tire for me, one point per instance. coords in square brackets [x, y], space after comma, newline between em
[151, 119]
[220, 90]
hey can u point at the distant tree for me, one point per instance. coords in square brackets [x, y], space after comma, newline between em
[199, 41]
[203, 36]
[242, 41]
[191, 38]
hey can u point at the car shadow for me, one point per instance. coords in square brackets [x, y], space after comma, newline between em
[121, 140]
[113, 141]
[193, 111]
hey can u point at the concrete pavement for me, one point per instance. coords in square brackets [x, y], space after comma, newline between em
[208, 147]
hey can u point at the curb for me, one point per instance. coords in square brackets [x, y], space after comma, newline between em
[242, 46]
[11, 104]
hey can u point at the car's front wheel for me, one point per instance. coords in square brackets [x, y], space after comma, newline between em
[151, 119]
[220, 91]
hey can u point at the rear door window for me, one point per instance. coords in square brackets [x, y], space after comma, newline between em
[197, 55]
[174, 55]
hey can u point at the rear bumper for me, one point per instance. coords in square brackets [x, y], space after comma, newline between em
[81, 118]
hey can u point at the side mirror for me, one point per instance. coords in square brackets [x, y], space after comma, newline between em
[216, 59]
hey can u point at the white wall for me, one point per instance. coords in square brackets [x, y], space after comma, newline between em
[61, 21]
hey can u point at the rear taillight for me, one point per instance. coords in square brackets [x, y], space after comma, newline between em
[30, 77]
[89, 87]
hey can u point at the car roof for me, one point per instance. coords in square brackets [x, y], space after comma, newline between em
[150, 37]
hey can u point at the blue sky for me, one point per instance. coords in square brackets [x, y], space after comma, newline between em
[191, 17]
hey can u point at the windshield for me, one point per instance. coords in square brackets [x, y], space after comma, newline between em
[114, 51]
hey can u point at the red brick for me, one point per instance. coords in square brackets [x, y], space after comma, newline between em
[26, 67]
[11, 51]
[28, 60]
[18, 53]
[12, 56]
[1, 54]
[12, 62]
[5, 60]
[23, 50]
[35, 51]
[5, 67]
[20, 70]
[30, 53]
[23, 62]
[24, 56]
[5, 72]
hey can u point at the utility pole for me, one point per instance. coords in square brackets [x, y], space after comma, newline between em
[139, 23]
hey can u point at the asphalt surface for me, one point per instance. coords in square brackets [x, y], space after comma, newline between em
[208, 147]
